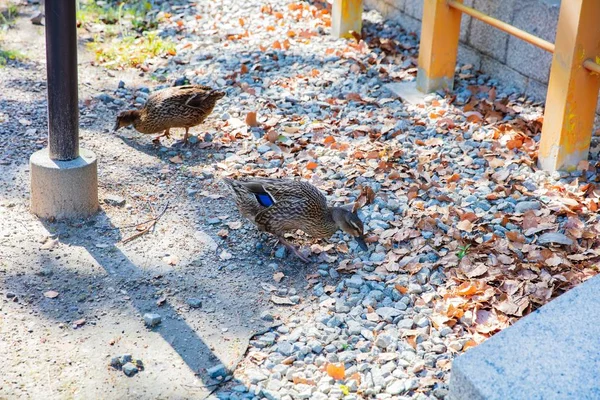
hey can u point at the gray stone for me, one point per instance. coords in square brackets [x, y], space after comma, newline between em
[354, 327]
[383, 340]
[125, 358]
[129, 369]
[218, 370]
[557, 355]
[556, 238]
[395, 387]
[151, 320]
[285, 348]
[266, 316]
[524, 206]
[115, 362]
[194, 302]
[255, 376]
[355, 282]
[388, 313]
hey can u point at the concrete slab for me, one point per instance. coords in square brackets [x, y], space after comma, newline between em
[64, 189]
[550, 354]
[407, 91]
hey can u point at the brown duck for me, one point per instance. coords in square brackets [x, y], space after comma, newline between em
[278, 206]
[174, 107]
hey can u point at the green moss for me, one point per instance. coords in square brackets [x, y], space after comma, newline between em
[128, 37]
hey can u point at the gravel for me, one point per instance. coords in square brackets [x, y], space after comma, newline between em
[151, 320]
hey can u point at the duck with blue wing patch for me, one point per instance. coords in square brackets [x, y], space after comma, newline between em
[278, 206]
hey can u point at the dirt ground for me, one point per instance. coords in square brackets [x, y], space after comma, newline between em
[47, 349]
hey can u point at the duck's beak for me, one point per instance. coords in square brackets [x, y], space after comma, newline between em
[361, 243]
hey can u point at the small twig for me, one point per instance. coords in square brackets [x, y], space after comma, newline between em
[152, 221]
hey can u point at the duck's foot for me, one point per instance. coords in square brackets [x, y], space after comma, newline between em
[165, 134]
[292, 249]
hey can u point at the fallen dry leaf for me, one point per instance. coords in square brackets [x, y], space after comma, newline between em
[278, 276]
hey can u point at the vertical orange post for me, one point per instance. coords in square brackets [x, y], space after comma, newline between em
[440, 31]
[572, 89]
[346, 17]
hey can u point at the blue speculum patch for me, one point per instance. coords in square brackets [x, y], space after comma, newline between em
[264, 199]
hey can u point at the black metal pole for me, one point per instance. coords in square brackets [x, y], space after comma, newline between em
[61, 64]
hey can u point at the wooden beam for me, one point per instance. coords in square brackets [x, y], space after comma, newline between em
[440, 31]
[572, 89]
[346, 17]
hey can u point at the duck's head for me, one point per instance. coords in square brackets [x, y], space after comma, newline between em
[126, 118]
[217, 94]
[350, 223]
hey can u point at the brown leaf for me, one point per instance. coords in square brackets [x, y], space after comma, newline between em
[251, 119]
[176, 159]
[234, 225]
[278, 276]
[282, 301]
[465, 225]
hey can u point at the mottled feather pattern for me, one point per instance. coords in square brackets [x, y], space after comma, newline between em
[177, 107]
[297, 205]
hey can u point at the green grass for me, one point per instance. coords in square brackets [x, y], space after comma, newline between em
[9, 55]
[130, 51]
[462, 251]
[128, 37]
[8, 14]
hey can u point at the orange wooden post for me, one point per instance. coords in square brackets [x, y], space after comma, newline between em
[346, 17]
[440, 31]
[572, 89]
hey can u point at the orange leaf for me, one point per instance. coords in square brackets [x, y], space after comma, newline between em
[291, 34]
[242, 22]
[277, 45]
[251, 119]
[278, 15]
[401, 289]
[470, 343]
[286, 44]
[311, 165]
[514, 144]
[329, 140]
[467, 289]
[179, 22]
[336, 371]
[244, 69]
[270, 28]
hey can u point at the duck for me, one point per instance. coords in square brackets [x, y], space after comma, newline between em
[175, 107]
[278, 206]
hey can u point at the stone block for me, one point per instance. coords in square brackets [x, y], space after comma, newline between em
[537, 90]
[465, 22]
[409, 24]
[550, 354]
[486, 38]
[539, 19]
[64, 189]
[414, 8]
[508, 76]
[407, 91]
[466, 55]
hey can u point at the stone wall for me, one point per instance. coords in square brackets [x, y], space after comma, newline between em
[508, 59]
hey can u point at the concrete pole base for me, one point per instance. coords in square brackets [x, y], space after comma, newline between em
[64, 189]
